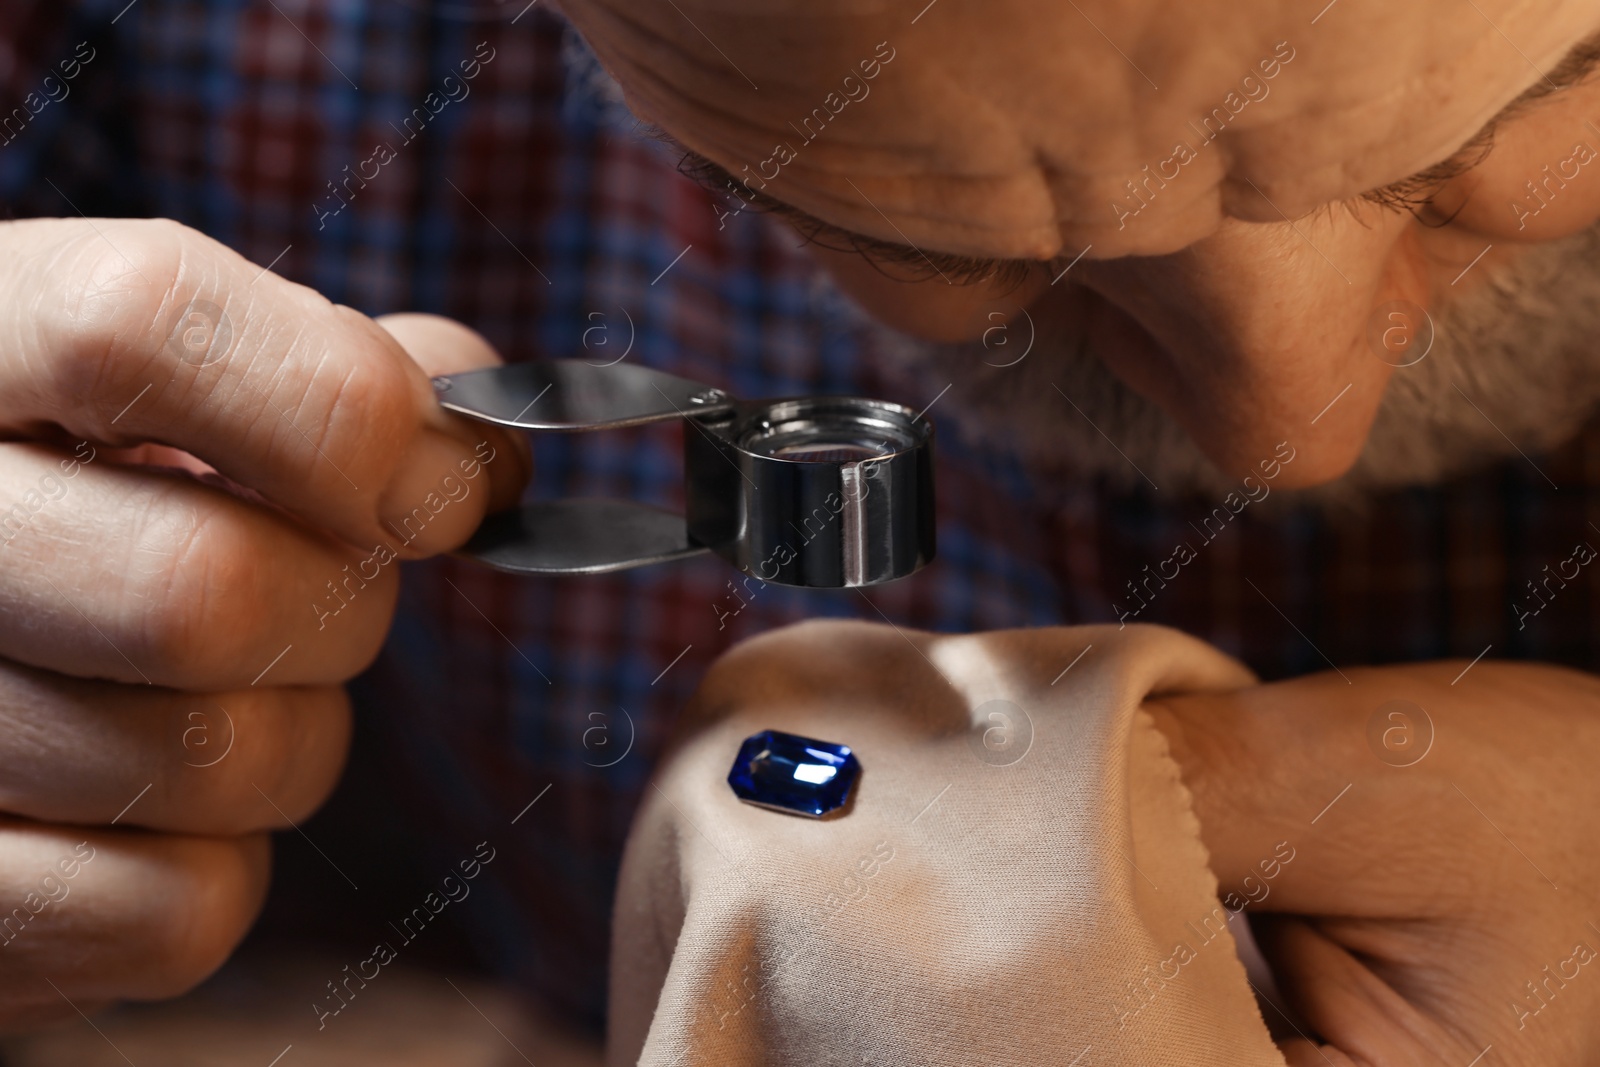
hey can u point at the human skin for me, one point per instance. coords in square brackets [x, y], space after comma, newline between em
[169, 688]
[1421, 904]
[1239, 297]
[1427, 885]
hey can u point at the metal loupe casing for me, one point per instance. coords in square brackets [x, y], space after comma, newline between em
[827, 492]
[817, 491]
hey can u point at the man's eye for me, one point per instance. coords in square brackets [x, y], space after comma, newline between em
[1417, 193]
[1412, 195]
[955, 270]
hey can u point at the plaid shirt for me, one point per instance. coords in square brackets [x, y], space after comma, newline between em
[523, 202]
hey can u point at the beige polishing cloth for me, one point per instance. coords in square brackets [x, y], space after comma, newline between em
[988, 897]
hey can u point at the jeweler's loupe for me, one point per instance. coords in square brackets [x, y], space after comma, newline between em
[812, 491]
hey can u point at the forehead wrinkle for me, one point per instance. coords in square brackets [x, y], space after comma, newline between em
[732, 131]
[713, 176]
[734, 134]
[638, 49]
[704, 117]
[823, 190]
[1576, 67]
[728, 134]
[964, 231]
[741, 37]
[1573, 67]
[828, 235]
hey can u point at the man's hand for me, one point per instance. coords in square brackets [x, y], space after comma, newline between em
[1415, 847]
[1441, 905]
[207, 478]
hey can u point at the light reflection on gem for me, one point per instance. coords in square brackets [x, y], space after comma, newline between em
[814, 773]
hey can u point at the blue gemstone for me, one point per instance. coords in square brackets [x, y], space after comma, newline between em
[797, 774]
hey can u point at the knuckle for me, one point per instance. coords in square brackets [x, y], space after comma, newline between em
[289, 746]
[204, 583]
[354, 404]
[122, 281]
[314, 748]
[226, 883]
[369, 399]
[223, 589]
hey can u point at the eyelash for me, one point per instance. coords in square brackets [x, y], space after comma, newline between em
[1416, 193]
[923, 266]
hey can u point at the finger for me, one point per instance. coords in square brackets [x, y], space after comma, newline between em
[444, 346]
[98, 915]
[1291, 769]
[95, 753]
[143, 330]
[147, 576]
[1346, 1004]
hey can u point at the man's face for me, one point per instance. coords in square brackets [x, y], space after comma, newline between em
[1246, 208]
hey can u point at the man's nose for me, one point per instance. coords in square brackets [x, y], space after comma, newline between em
[1263, 334]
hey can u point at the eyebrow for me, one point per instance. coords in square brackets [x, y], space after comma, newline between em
[1415, 192]
[1412, 194]
[952, 268]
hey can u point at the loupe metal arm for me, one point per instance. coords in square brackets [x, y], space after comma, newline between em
[570, 396]
[592, 535]
[815, 491]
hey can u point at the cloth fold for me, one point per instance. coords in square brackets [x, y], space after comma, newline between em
[1018, 879]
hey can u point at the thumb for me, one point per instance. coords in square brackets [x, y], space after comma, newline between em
[443, 346]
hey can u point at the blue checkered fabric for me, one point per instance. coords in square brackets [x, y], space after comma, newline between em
[530, 207]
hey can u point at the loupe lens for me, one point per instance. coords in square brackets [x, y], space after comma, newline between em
[820, 451]
[817, 434]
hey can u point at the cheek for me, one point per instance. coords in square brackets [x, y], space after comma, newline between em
[930, 308]
[1495, 198]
